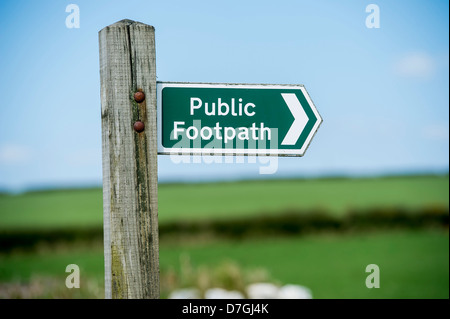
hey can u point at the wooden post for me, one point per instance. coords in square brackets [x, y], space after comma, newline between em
[130, 198]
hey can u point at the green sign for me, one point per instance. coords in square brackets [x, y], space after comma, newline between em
[235, 119]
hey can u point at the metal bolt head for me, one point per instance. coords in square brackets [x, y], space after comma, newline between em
[139, 126]
[139, 97]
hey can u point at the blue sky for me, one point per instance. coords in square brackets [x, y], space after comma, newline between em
[382, 92]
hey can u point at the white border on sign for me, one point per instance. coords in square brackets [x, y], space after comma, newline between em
[224, 151]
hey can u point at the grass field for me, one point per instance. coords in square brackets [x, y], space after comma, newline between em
[413, 264]
[64, 208]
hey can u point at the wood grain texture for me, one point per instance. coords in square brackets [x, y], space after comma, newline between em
[130, 199]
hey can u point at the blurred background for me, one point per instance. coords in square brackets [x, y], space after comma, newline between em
[371, 189]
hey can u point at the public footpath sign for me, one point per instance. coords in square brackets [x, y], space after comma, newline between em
[142, 118]
[234, 119]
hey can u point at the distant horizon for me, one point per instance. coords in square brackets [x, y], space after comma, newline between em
[213, 180]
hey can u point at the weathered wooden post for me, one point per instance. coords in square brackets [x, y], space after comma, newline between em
[130, 198]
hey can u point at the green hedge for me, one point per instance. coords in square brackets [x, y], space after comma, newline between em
[295, 223]
[285, 223]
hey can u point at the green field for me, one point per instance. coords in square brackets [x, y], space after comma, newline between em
[414, 261]
[72, 208]
[413, 264]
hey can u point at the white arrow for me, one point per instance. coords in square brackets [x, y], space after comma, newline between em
[300, 119]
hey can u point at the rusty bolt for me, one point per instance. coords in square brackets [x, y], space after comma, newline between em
[139, 97]
[139, 126]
